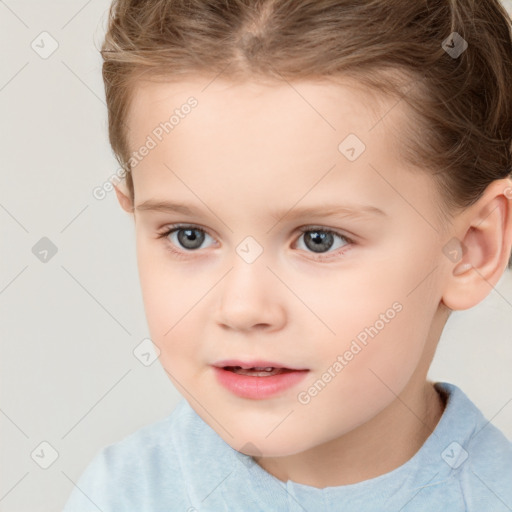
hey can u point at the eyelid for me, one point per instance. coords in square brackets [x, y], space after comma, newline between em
[166, 230]
[325, 229]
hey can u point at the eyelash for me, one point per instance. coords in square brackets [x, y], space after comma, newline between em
[184, 254]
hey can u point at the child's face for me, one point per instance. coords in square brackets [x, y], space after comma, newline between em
[244, 157]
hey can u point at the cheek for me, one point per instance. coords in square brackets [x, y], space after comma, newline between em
[382, 321]
[373, 356]
[355, 380]
[167, 293]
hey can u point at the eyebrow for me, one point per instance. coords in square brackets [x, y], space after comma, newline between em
[325, 210]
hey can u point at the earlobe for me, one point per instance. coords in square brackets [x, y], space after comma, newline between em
[485, 238]
[124, 200]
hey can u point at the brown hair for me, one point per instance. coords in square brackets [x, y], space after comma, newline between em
[460, 105]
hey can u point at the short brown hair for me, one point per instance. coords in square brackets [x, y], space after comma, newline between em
[461, 105]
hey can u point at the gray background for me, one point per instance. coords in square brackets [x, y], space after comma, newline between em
[69, 325]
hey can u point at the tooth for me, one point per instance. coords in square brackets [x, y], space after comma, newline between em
[260, 368]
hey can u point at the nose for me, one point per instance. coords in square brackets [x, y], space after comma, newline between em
[251, 297]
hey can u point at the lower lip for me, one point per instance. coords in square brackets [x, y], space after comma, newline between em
[258, 388]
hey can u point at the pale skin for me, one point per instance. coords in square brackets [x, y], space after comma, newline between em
[246, 151]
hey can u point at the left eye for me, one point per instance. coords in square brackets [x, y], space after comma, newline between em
[319, 239]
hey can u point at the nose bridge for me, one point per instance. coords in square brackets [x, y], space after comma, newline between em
[249, 274]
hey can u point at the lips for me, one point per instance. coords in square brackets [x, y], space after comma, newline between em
[257, 380]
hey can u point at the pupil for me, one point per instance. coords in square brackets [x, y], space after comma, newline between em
[321, 240]
[189, 239]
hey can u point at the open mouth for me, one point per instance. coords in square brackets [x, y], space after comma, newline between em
[257, 371]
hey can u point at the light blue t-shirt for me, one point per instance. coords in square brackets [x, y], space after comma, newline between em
[181, 464]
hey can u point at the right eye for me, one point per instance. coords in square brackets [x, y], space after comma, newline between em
[187, 238]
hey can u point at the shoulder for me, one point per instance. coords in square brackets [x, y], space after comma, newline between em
[487, 476]
[124, 475]
[479, 456]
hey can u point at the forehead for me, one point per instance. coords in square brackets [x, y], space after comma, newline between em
[323, 103]
[257, 139]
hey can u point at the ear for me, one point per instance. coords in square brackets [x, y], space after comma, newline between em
[484, 232]
[124, 200]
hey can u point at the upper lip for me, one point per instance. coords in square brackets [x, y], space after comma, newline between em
[253, 364]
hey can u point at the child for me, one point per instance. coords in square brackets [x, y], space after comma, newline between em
[253, 133]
